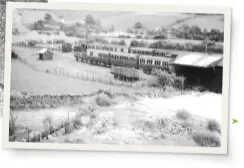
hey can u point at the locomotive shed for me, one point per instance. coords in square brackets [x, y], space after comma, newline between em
[201, 69]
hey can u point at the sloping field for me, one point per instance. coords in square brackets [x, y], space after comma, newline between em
[206, 22]
[25, 79]
[123, 22]
[31, 16]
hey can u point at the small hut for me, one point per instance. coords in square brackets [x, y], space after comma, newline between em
[45, 54]
[67, 47]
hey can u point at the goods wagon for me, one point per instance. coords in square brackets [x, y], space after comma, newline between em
[121, 72]
[67, 47]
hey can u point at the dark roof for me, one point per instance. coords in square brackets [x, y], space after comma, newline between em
[199, 60]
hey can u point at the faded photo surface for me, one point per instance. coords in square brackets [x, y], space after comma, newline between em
[2, 41]
[112, 77]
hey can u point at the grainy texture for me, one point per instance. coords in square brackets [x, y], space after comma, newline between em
[2, 39]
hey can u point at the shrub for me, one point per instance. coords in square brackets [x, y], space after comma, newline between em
[103, 101]
[213, 125]
[109, 94]
[165, 78]
[68, 127]
[48, 124]
[32, 43]
[206, 139]
[77, 123]
[196, 47]
[59, 41]
[49, 42]
[134, 43]
[183, 115]
[160, 37]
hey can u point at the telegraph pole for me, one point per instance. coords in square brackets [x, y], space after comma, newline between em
[206, 45]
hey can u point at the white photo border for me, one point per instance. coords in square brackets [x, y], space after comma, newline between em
[226, 11]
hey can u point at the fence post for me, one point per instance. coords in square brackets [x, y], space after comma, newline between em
[28, 136]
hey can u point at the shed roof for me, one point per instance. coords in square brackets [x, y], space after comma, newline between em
[42, 51]
[198, 60]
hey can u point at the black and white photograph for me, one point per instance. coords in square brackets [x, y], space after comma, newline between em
[144, 78]
[2, 37]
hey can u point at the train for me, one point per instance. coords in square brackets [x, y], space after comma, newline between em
[140, 58]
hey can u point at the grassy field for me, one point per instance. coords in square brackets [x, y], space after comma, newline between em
[66, 63]
[36, 82]
[117, 18]
[206, 22]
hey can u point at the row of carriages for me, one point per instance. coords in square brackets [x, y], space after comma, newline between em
[143, 58]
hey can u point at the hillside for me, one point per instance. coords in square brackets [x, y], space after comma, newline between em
[125, 20]
[205, 22]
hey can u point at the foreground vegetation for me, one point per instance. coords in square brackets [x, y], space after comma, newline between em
[101, 114]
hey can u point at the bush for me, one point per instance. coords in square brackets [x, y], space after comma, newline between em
[165, 78]
[160, 37]
[49, 42]
[68, 127]
[135, 43]
[121, 42]
[32, 43]
[183, 115]
[213, 125]
[207, 139]
[48, 124]
[103, 101]
[196, 47]
[138, 37]
[59, 41]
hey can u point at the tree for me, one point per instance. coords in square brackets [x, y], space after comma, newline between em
[122, 42]
[78, 24]
[195, 30]
[138, 25]
[48, 17]
[39, 25]
[89, 20]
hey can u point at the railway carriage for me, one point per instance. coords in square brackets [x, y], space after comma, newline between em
[124, 59]
[164, 53]
[147, 63]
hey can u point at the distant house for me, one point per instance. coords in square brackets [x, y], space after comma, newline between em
[45, 54]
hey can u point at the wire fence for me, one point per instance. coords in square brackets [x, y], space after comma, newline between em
[47, 131]
[80, 75]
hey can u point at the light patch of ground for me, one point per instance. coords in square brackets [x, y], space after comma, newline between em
[137, 121]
